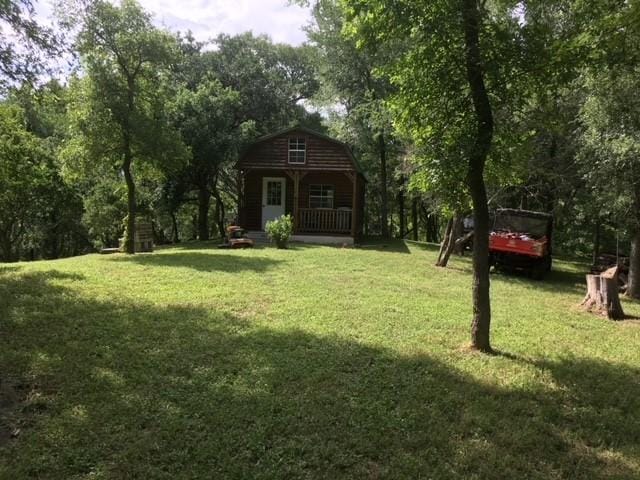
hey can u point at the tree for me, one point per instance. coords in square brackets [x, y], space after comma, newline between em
[458, 65]
[348, 79]
[59, 228]
[26, 178]
[207, 118]
[610, 152]
[24, 45]
[480, 325]
[610, 118]
[125, 58]
[245, 87]
[272, 79]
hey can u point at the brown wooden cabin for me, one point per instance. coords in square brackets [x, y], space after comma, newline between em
[309, 175]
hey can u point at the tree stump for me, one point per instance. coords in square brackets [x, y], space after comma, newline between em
[602, 294]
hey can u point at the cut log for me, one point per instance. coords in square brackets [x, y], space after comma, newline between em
[602, 294]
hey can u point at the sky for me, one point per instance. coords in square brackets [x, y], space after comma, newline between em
[208, 18]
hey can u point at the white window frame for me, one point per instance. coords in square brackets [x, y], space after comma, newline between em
[324, 188]
[297, 144]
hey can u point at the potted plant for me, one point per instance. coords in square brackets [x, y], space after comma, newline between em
[280, 230]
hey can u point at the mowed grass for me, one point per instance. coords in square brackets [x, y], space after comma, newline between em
[314, 362]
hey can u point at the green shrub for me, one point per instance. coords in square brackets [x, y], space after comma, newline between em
[279, 230]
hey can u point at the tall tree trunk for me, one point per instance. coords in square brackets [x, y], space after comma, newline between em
[549, 197]
[7, 250]
[428, 223]
[175, 234]
[633, 287]
[204, 198]
[457, 233]
[130, 233]
[384, 196]
[481, 323]
[365, 222]
[220, 210]
[52, 243]
[414, 218]
[221, 215]
[402, 221]
[449, 242]
[239, 220]
[216, 217]
[445, 242]
[432, 224]
[596, 242]
[194, 227]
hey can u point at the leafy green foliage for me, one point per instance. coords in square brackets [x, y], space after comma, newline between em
[272, 79]
[611, 137]
[280, 230]
[362, 117]
[27, 184]
[24, 44]
[105, 206]
[124, 93]
[431, 103]
[227, 97]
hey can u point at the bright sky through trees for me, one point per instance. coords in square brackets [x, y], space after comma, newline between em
[208, 18]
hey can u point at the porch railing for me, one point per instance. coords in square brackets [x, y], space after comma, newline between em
[324, 220]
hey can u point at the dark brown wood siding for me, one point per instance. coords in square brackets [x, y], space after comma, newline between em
[251, 211]
[360, 192]
[321, 154]
[342, 193]
[327, 162]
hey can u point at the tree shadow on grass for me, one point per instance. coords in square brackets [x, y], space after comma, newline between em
[5, 268]
[124, 390]
[387, 245]
[211, 244]
[204, 262]
[558, 280]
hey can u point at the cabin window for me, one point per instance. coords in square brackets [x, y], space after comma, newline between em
[297, 150]
[321, 196]
[274, 193]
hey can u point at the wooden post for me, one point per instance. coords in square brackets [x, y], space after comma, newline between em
[296, 189]
[414, 218]
[240, 192]
[354, 206]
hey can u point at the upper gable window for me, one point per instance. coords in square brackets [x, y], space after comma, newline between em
[297, 150]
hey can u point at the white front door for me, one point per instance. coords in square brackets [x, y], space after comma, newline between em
[273, 196]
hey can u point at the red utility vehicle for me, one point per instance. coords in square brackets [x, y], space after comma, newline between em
[521, 240]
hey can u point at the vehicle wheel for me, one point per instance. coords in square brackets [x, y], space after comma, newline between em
[538, 271]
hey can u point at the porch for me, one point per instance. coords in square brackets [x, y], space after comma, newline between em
[260, 237]
[323, 220]
[320, 202]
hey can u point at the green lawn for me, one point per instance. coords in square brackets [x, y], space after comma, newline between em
[315, 362]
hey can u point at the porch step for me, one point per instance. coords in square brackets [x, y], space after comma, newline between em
[258, 237]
